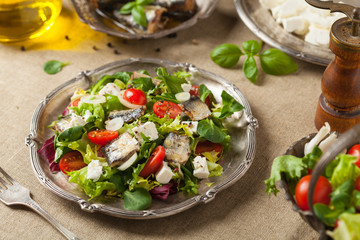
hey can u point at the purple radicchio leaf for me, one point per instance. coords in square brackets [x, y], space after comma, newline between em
[48, 152]
[162, 192]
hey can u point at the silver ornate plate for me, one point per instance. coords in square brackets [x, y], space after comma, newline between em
[260, 21]
[88, 13]
[235, 163]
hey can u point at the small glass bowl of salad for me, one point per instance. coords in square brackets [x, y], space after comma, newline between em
[325, 167]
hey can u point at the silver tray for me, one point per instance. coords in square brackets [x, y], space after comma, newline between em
[260, 21]
[235, 163]
[86, 10]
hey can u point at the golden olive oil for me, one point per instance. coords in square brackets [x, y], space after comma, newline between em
[26, 19]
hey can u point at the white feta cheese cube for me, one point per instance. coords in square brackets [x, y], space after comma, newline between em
[87, 115]
[182, 96]
[271, 3]
[318, 36]
[94, 170]
[288, 9]
[164, 174]
[296, 24]
[186, 87]
[148, 129]
[110, 88]
[192, 125]
[201, 169]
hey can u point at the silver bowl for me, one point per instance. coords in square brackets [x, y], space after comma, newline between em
[88, 14]
[235, 163]
[260, 21]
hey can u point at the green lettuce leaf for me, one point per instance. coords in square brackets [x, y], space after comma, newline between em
[348, 227]
[215, 169]
[290, 165]
[91, 188]
[345, 170]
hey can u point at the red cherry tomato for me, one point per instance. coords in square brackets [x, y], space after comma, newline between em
[75, 103]
[154, 162]
[135, 96]
[102, 137]
[357, 184]
[321, 193]
[194, 91]
[71, 161]
[162, 108]
[207, 146]
[355, 151]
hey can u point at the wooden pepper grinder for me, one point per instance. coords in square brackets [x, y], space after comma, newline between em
[339, 103]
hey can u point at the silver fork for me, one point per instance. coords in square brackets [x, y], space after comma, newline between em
[12, 193]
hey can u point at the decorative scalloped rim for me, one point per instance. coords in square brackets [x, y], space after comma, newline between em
[87, 16]
[146, 214]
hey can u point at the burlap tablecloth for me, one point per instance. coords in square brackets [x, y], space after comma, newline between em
[284, 106]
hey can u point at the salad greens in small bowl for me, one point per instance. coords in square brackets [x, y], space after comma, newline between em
[320, 175]
[142, 138]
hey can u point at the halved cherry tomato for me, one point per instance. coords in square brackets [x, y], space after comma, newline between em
[154, 162]
[76, 102]
[321, 193]
[194, 91]
[162, 108]
[102, 137]
[71, 161]
[135, 96]
[207, 146]
[355, 151]
[357, 184]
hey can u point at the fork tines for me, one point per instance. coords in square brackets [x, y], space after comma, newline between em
[7, 177]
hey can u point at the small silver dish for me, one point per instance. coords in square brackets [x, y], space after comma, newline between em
[260, 21]
[235, 163]
[88, 13]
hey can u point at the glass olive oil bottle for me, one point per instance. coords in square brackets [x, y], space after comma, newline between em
[26, 19]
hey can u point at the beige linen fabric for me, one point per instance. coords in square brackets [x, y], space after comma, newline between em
[284, 106]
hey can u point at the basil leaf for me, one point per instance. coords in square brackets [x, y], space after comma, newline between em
[204, 92]
[144, 2]
[173, 83]
[251, 47]
[226, 55]
[126, 9]
[230, 105]
[207, 129]
[250, 69]
[145, 84]
[326, 214]
[139, 199]
[139, 15]
[275, 62]
[71, 134]
[54, 66]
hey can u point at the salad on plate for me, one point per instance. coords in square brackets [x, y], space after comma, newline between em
[138, 137]
[337, 192]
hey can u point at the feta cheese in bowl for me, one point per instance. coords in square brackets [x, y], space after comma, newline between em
[302, 19]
